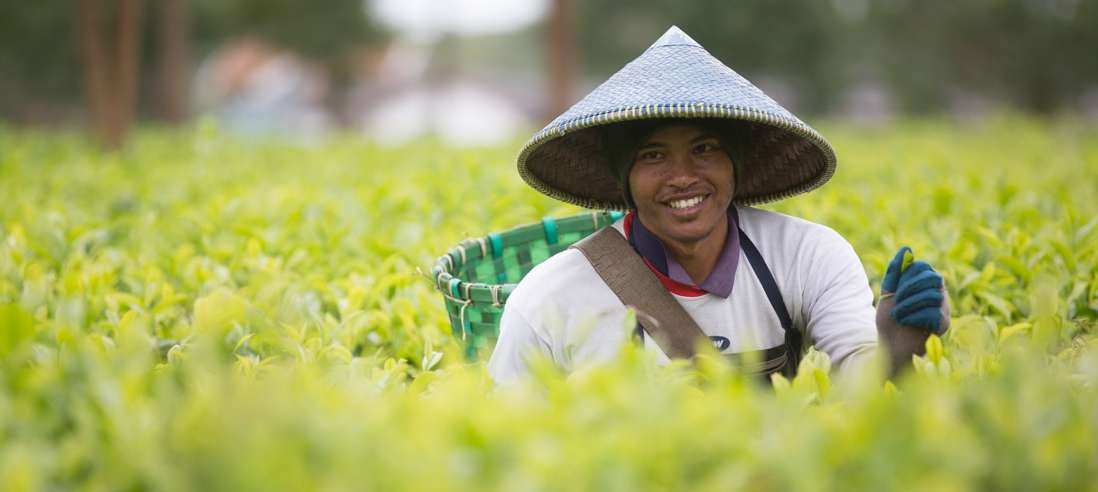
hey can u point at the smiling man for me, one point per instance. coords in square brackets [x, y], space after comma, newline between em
[686, 145]
[681, 184]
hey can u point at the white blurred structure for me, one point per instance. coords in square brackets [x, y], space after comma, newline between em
[421, 84]
[254, 89]
[427, 20]
[407, 99]
[460, 112]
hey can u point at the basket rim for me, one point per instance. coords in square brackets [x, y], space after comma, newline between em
[459, 291]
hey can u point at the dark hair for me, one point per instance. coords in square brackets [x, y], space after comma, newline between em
[620, 142]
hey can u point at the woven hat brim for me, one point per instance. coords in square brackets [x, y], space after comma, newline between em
[785, 157]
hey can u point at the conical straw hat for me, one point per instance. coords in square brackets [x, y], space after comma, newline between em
[676, 78]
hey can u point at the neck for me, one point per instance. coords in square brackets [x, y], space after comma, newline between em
[698, 257]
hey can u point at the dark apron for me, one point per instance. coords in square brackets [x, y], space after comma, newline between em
[784, 358]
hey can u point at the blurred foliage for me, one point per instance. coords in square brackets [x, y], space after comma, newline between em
[38, 45]
[204, 312]
[1036, 55]
[322, 32]
[1033, 54]
[37, 53]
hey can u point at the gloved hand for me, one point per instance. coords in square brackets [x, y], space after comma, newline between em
[918, 292]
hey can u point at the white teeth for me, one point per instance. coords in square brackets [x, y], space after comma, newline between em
[686, 203]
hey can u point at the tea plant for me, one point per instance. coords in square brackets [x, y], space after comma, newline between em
[207, 312]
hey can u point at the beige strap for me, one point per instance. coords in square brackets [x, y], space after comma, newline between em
[629, 278]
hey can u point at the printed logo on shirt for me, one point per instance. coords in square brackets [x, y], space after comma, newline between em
[721, 343]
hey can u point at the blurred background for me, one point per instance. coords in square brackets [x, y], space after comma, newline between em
[477, 72]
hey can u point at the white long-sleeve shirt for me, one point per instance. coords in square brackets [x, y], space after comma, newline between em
[563, 309]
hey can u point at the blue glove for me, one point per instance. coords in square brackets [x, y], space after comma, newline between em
[919, 294]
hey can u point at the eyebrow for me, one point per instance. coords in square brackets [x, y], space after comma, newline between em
[704, 136]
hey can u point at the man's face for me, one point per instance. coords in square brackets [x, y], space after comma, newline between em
[682, 183]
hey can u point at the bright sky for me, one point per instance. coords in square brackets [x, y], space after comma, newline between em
[428, 19]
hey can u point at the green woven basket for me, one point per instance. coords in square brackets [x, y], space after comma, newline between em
[476, 276]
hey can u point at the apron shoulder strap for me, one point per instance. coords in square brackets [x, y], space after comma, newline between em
[793, 338]
[762, 272]
[629, 278]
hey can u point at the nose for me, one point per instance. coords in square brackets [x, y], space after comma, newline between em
[682, 173]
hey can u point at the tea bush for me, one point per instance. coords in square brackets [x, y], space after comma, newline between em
[208, 312]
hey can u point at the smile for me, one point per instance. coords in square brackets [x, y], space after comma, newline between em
[686, 203]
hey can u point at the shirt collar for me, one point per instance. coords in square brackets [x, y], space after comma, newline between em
[719, 282]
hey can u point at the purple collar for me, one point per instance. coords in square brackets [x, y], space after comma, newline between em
[719, 281]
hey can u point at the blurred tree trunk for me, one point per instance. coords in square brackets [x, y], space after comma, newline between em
[562, 56]
[174, 56]
[94, 57]
[110, 76]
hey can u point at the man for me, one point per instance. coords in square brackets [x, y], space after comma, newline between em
[685, 144]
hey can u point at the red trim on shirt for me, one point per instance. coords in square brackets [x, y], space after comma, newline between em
[673, 286]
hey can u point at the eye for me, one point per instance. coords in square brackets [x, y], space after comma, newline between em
[649, 155]
[706, 147]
